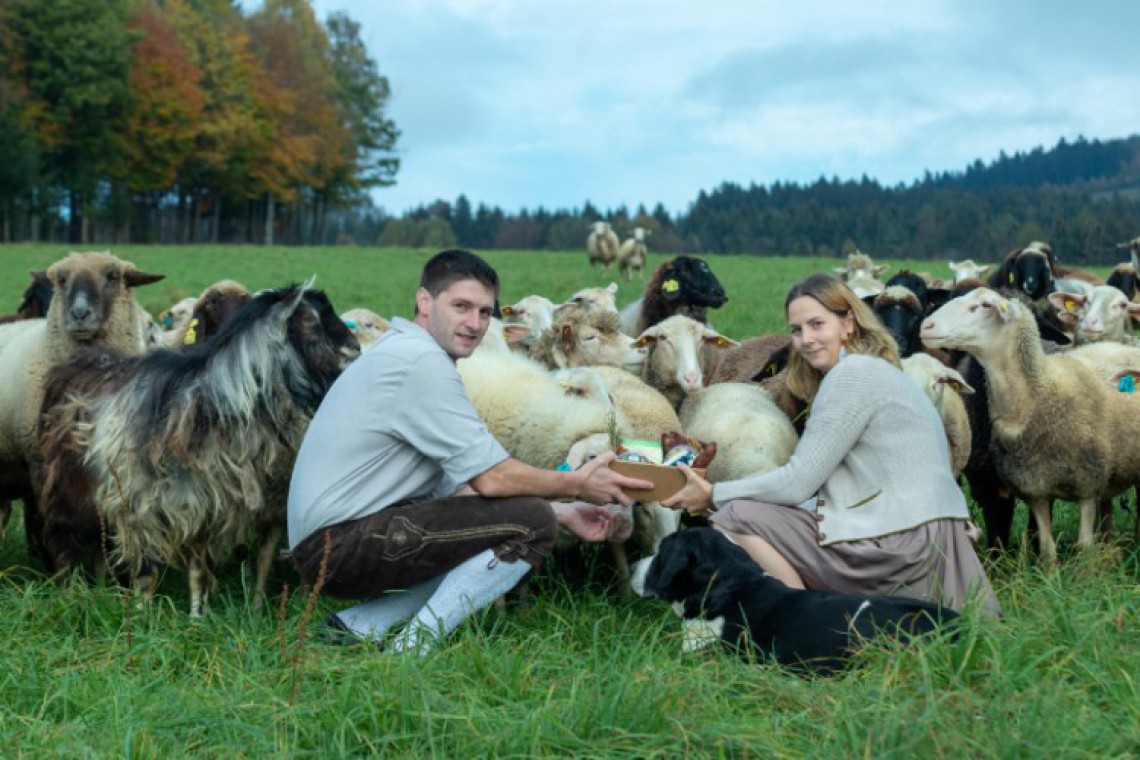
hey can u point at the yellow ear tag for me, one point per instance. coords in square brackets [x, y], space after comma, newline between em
[670, 286]
[772, 369]
[191, 334]
[506, 335]
[1003, 306]
[1011, 278]
[1069, 304]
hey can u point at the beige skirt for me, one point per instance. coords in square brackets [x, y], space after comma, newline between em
[934, 561]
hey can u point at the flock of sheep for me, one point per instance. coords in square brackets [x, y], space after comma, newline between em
[137, 443]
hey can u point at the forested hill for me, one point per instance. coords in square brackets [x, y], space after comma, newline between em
[1083, 197]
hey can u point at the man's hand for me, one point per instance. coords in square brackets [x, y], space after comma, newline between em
[695, 497]
[601, 485]
[587, 521]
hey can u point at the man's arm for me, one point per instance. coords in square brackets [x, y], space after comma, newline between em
[595, 481]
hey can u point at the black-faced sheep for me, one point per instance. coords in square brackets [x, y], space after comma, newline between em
[1058, 431]
[633, 255]
[93, 305]
[602, 245]
[684, 285]
[187, 453]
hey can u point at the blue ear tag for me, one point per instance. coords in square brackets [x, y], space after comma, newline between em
[564, 467]
[1127, 384]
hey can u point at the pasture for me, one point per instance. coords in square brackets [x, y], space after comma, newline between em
[576, 670]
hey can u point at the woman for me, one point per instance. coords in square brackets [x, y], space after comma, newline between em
[867, 503]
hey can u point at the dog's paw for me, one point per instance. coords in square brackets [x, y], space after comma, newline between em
[697, 634]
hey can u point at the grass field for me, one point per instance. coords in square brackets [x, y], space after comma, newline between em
[578, 671]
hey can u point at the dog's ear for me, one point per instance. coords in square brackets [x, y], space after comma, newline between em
[668, 573]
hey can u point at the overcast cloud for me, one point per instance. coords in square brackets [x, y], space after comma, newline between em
[527, 103]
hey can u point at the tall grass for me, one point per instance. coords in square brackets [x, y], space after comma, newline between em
[578, 670]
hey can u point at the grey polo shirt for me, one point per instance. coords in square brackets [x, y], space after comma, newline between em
[397, 425]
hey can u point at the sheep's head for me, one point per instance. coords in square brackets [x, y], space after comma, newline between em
[89, 287]
[964, 270]
[319, 338]
[690, 280]
[217, 305]
[969, 323]
[37, 297]
[901, 312]
[585, 338]
[536, 312]
[934, 377]
[588, 299]
[366, 325]
[676, 346]
[1031, 271]
[1106, 313]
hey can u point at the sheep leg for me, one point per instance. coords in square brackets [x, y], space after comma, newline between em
[265, 557]
[621, 564]
[196, 575]
[1088, 509]
[1043, 516]
[143, 585]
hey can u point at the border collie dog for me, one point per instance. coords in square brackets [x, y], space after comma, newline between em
[707, 576]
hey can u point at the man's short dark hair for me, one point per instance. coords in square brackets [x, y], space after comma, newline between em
[453, 265]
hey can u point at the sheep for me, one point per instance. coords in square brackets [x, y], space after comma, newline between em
[679, 355]
[762, 360]
[1105, 314]
[862, 274]
[684, 285]
[967, 269]
[500, 337]
[579, 338]
[529, 412]
[1057, 430]
[366, 325]
[93, 305]
[644, 414]
[588, 299]
[535, 312]
[602, 245]
[1035, 270]
[633, 254]
[188, 452]
[36, 300]
[174, 322]
[752, 434]
[933, 377]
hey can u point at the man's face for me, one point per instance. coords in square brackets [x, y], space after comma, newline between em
[458, 317]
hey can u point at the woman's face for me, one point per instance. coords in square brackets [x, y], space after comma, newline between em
[818, 334]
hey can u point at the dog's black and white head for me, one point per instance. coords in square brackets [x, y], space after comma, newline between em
[698, 570]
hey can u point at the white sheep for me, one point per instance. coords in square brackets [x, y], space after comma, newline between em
[590, 299]
[862, 275]
[366, 325]
[967, 269]
[1104, 314]
[529, 412]
[752, 434]
[93, 305]
[534, 312]
[680, 353]
[602, 245]
[633, 254]
[584, 337]
[174, 322]
[1059, 431]
[934, 377]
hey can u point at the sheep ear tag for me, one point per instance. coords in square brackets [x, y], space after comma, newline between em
[1003, 309]
[671, 288]
[191, 333]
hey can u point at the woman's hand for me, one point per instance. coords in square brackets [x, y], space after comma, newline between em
[695, 497]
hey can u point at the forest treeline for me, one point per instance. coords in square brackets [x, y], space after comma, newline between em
[185, 121]
[1082, 196]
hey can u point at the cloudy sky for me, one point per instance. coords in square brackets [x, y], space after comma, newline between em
[527, 103]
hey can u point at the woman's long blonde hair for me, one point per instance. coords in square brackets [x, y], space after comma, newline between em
[870, 337]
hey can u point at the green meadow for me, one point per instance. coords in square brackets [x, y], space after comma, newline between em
[577, 669]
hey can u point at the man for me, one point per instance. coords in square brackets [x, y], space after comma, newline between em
[399, 486]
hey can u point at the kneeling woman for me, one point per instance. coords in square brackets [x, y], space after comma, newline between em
[867, 503]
